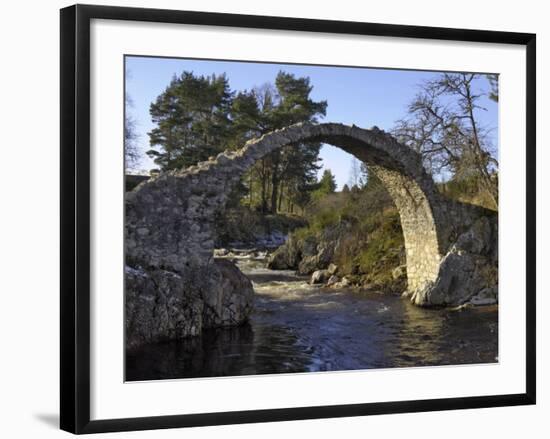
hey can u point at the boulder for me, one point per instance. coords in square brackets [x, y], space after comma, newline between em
[311, 253]
[477, 239]
[468, 273]
[308, 265]
[448, 289]
[332, 269]
[318, 261]
[159, 307]
[286, 257]
[342, 283]
[309, 246]
[220, 252]
[278, 260]
[165, 305]
[487, 296]
[319, 277]
[332, 280]
[228, 299]
[458, 280]
[325, 253]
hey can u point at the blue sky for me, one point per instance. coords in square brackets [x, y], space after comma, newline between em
[360, 96]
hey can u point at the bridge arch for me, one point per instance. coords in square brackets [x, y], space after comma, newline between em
[169, 219]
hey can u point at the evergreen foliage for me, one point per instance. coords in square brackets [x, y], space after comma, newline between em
[198, 117]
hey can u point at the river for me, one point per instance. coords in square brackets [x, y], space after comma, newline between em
[297, 327]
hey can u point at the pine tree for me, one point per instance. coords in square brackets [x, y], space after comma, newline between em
[192, 118]
[199, 116]
[327, 184]
[294, 167]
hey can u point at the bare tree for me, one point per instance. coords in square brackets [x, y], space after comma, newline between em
[358, 174]
[442, 126]
[354, 172]
[131, 151]
[493, 82]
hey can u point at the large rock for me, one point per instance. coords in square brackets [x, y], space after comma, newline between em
[487, 296]
[309, 264]
[332, 269]
[308, 246]
[287, 256]
[320, 260]
[477, 239]
[221, 252]
[228, 300]
[306, 255]
[279, 260]
[159, 307]
[165, 305]
[332, 280]
[342, 283]
[320, 277]
[456, 283]
[468, 272]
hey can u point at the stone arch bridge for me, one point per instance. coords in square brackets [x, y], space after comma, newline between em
[450, 246]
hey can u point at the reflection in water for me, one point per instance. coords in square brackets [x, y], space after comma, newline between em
[298, 327]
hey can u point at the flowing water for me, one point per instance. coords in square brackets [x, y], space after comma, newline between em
[297, 327]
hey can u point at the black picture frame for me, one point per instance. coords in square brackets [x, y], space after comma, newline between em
[75, 217]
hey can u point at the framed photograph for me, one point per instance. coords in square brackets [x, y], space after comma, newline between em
[275, 218]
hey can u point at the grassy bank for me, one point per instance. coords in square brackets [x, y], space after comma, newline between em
[359, 231]
[369, 244]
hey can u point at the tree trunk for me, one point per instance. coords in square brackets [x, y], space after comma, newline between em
[250, 182]
[274, 183]
[274, 192]
[264, 188]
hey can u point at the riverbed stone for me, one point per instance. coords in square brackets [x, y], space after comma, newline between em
[487, 296]
[319, 277]
[345, 282]
[332, 269]
[220, 252]
[332, 280]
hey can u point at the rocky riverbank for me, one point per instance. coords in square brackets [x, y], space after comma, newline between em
[300, 327]
[163, 305]
[334, 256]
